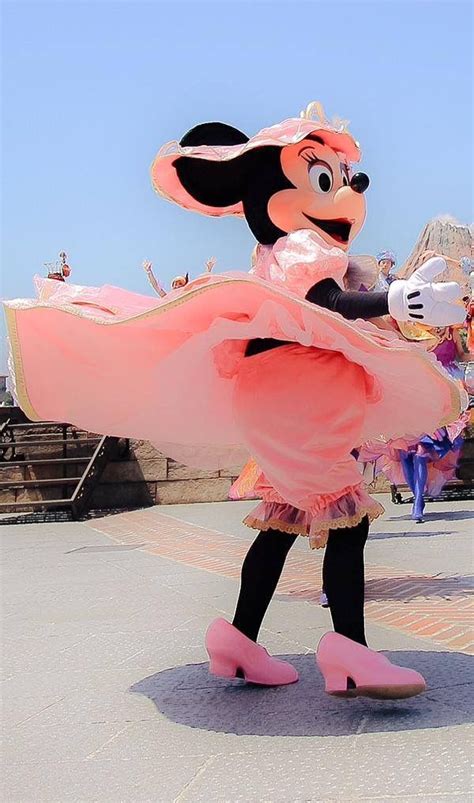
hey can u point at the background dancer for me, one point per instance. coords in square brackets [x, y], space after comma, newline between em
[386, 261]
[428, 463]
[178, 282]
[60, 272]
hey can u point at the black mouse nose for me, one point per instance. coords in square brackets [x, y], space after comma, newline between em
[360, 182]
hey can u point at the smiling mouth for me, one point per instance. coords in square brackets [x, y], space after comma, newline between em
[339, 229]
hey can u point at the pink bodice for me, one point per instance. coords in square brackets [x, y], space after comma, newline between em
[299, 260]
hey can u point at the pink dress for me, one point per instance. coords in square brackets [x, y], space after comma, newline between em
[299, 410]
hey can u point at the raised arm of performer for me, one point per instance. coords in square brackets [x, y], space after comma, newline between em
[148, 268]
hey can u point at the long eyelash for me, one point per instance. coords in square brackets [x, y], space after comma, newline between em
[310, 157]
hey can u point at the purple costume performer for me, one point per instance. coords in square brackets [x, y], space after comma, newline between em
[426, 465]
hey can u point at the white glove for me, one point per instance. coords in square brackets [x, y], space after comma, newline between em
[420, 299]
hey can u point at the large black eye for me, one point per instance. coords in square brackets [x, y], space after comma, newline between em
[320, 177]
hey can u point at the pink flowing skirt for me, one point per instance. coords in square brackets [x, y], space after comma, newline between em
[173, 371]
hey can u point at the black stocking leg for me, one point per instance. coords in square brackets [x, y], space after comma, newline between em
[343, 578]
[261, 571]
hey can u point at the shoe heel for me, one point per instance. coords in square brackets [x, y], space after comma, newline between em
[222, 667]
[335, 679]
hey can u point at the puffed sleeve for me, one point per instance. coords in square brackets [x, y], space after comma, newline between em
[303, 258]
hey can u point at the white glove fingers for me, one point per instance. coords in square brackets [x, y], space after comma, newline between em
[448, 291]
[433, 267]
[446, 314]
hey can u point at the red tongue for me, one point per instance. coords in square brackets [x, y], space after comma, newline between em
[338, 230]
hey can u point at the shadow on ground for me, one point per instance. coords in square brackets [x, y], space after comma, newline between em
[190, 696]
[404, 588]
[411, 587]
[434, 515]
[420, 532]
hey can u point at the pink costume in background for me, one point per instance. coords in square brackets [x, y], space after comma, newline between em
[442, 447]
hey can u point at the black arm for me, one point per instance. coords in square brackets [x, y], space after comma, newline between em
[328, 294]
[349, 304]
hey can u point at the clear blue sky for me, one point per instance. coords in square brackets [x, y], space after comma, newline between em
[92, 90]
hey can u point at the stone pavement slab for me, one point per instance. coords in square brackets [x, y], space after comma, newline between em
[438, 605]
[106, 695]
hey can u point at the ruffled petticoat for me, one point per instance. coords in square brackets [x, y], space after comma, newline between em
[274, 513]
[299, 410]
[345, 511]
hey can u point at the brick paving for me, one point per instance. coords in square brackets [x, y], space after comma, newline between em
[439, 608]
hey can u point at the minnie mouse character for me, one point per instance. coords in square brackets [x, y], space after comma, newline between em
[262, 364]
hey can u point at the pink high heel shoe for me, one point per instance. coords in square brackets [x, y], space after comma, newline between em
[352, 670]
[233, 655]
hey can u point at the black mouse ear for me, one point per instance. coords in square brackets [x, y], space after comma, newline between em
[213, 134]
[218, 183]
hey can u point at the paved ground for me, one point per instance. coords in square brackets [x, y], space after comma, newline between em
[106, 695]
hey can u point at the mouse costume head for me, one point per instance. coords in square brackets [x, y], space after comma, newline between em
[295, 175]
